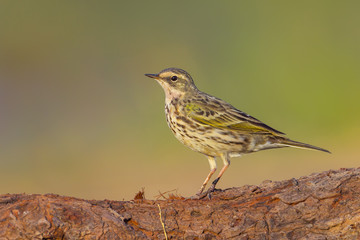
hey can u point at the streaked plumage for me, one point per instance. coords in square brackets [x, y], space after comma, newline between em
[213, 127]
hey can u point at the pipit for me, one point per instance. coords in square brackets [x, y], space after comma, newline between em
[213, 127]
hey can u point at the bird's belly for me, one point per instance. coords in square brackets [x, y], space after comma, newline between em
[213, 144]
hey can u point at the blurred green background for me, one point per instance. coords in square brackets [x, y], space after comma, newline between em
[78, 117]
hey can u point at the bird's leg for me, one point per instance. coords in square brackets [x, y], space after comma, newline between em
[212, 163]
[226, 160]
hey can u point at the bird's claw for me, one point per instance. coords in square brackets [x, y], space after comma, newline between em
[197, 196]
[202, 195]
[210, 191]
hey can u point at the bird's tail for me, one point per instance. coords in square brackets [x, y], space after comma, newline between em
[291, 143]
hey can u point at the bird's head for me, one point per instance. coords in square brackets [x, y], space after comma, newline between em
[174, 80]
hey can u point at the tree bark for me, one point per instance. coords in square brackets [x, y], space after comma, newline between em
[319, 206]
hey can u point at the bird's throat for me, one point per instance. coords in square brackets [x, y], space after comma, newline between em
[170, 93]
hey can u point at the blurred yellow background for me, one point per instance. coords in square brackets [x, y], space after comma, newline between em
[78, 117]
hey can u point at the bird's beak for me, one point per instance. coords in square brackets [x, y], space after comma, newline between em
[156, 76]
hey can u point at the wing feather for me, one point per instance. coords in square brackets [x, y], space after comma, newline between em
[217, 113]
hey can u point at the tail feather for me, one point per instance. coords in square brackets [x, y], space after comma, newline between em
[291, 143]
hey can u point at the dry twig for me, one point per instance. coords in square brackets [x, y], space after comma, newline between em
[162, 223]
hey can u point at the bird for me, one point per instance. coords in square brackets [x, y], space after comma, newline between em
[213, 127]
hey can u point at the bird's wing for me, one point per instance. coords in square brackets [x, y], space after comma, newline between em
[219, 114]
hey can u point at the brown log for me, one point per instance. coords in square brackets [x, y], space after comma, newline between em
[319, 206]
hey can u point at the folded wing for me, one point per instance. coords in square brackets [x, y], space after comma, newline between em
[219, 114]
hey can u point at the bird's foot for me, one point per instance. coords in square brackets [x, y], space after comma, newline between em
[211, 190]
[197, 196]
[203, 195]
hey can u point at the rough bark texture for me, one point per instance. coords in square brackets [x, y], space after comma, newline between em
[320, 206]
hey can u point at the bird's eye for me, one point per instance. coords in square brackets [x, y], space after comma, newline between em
[174, 78]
